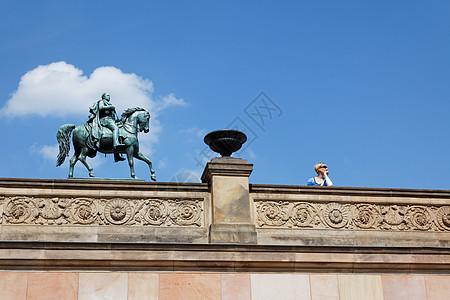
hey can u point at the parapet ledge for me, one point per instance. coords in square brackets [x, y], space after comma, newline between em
[101, 184]
[348, 191]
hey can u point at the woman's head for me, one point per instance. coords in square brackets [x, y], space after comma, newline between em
[319, 166]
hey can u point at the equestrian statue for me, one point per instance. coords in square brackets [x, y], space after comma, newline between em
[105, 133]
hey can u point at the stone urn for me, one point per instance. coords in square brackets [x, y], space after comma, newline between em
[225, 141]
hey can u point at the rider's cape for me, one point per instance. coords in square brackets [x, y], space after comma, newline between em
[95, 126]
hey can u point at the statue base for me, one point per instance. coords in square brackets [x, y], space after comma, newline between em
[105, 179]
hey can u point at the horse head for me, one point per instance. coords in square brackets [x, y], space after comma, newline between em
[143, 120]
[137, 117]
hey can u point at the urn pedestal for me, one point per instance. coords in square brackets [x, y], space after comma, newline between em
[232, 220]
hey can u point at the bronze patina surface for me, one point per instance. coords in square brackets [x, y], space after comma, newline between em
[102, 133]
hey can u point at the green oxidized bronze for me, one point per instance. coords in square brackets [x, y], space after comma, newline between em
[106, 134]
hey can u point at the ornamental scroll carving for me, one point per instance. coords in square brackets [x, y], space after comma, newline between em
[115, 211]
[362, 216]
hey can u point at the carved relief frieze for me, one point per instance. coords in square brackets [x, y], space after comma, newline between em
[2, 200]
[116, 211]
[443, 217]
[273, 213]
[361, 216]
[152, 212]
[83, 211]
[50, 211]
[90, 211]
[304, 215]
[419, 218]
[336, 215]
[19, 210]
[366, 216]
[185, 213]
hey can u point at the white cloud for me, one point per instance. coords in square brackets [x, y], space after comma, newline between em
[61, 89]
[46, 151]
[167, 101]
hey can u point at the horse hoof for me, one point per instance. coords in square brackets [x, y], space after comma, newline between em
[91, 175]
[153, 177]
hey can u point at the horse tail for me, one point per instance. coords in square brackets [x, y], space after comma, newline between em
[63, 137]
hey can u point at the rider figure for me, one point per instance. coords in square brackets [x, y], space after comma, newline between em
[103, 114]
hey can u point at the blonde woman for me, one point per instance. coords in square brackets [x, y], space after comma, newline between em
[322, 178]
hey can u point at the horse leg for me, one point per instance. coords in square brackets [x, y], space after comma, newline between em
[129, 151]
[142, 157]
[82, 158]
[73, 161]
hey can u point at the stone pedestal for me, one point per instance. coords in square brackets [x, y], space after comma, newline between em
[231, 208]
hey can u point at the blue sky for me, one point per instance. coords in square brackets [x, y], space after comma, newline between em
[361, 85]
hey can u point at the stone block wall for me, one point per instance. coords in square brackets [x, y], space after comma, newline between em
[220, 286]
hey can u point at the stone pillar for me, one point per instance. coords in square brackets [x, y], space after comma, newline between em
[231, 210]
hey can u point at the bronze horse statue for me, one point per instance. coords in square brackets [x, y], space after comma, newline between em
[133, 120]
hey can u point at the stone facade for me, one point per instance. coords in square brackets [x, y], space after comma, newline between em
[220, 239]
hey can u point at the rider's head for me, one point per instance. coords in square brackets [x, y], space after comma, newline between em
[105, 96]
